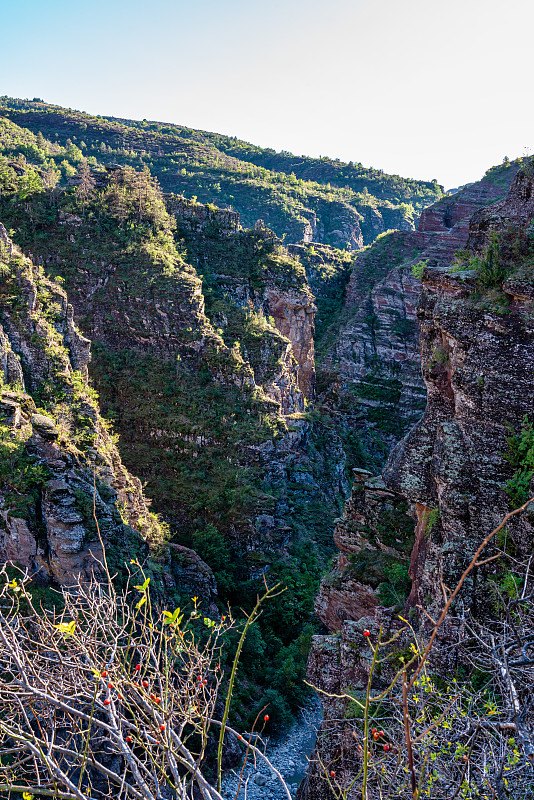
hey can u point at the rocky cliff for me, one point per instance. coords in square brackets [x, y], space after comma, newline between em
[368, 361]
[58, 456]
[450, 480]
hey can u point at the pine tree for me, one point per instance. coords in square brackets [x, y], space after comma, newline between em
[86, 184]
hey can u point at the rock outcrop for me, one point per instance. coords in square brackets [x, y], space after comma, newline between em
[58, 458]
[446, 484]
[373, 350]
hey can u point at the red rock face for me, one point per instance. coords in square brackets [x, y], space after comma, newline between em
[379, 332]
[451, 469]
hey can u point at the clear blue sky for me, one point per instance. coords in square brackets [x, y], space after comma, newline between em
[417, 87]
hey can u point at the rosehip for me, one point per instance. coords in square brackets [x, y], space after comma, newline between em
[380, 733]
[107, 701]
[332, 773]
[157, 741]
[152, 696]
[120, 697]
[129, 738]
[266, 718]
[374, 731]
[204, 683]
[157, 700]
[386, 747]
[104, 674]
[239, 736]
[145, 684]
[110, 686]
[137, 667]
[366, 632]
[162, 727]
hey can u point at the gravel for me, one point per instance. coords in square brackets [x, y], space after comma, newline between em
[289, 755]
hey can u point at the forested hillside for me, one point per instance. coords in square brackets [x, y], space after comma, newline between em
[345, 205]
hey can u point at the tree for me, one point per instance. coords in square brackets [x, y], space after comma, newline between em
[86, 184]
[417, 727]
[108, 695]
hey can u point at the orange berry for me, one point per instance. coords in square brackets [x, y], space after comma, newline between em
[386, 747]
[162, 727]
[104, 674]
[380, 733]
[145, 684]
[110, 686]
[157, 700]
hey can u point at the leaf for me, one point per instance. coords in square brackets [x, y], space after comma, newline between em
[141, 602]
[144, 586]
[27, 796]
[67, 628]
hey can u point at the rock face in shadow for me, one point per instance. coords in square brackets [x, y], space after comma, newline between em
[58, 457]
[444, 486]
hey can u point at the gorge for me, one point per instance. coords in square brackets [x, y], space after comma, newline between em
[260, 362]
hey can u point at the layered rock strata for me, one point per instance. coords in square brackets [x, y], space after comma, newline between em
[373, 351]
[449, 474]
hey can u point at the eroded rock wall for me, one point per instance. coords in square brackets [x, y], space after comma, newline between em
[443, 488]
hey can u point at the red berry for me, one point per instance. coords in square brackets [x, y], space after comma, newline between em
[137, 667]
[157, 741]
[104, 674]
[332, 773]
[239, 736]
[152, 696]
[374, 731]
[366, 632]
[120, 697]
[107, 701]
[380, 733]
[266, 718]
[162, 727]
[110, 686]
[157, 700]
[145, 684]
[204, 682]
[386, 747]
[129, 739]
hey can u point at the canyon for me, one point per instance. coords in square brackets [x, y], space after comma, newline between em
[272, 384]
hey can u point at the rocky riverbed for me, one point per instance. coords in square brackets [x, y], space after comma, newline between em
[289, 755]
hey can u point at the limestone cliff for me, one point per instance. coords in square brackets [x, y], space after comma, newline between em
[447, 483]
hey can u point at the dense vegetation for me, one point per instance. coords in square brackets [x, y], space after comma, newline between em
[187, 406]
[289, 193]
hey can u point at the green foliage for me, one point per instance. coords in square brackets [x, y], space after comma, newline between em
[283, 189]
[419, 268]
[20, 476]
[520, 455]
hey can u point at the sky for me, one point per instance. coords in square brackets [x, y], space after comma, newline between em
[420, 88]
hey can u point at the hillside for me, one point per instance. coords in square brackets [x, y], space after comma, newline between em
[344, 205]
